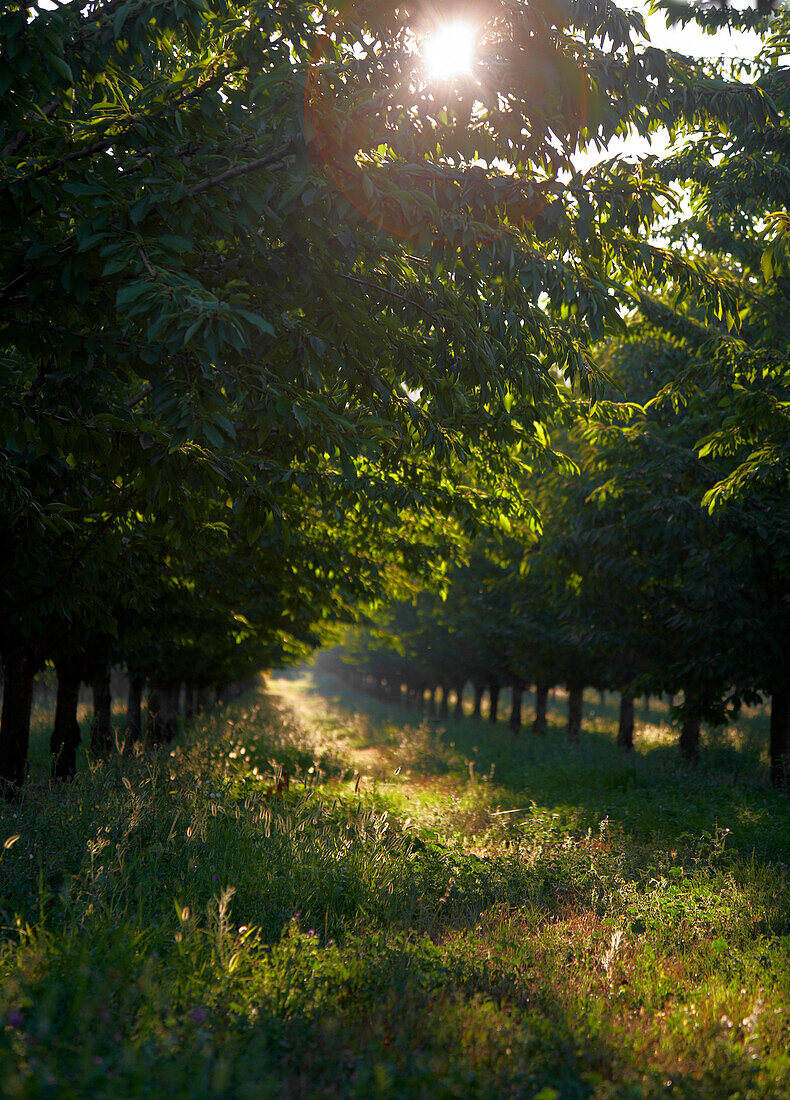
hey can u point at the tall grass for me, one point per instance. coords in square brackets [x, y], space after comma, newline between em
[312, 894]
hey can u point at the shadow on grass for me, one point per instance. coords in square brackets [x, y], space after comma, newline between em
[650, 793]
[354, 958]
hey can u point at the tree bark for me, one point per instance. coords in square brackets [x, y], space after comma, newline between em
[172, 696]
[515, 709]
[647, 708]
[780, 738]
[66, 733]
[163, 713]
[625, 728]
[189, 700]
[458, 712]
[493, 697]
[153, 729]
[204, 699]
[444, 709]
[541, 706]
[689, 741]
[575, 708]
[479, 689]
[432, 702]
[101, 726]
[19, 668]
[134, 709]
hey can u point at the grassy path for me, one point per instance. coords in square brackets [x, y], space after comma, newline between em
[425, 912]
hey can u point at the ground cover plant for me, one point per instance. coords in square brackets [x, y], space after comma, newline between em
[312, 893]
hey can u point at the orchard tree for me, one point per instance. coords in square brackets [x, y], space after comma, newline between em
[244, 244]
[731, 388]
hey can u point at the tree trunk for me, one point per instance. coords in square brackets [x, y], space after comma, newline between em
[153, 729]
[625, 728]
[66, 734]
[101, 726]
[647, 708]
[163, 713]
[780, 738]
[493, 696]
[602, 697]
[459, 702]
[541, 705]
[515, 709]
[189, 700]
[689, 741]
[479, 689]
[19, 668]
[172, 697]
[134, 708]
[432, 702]
[444, 709]
[204, 699]
[575, 707]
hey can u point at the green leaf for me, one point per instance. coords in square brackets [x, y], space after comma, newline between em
[119, 19]
[213, 435]
[260, 323]
[131, 292]
[61, 68]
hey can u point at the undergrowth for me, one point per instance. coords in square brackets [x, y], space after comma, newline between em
[314, 895]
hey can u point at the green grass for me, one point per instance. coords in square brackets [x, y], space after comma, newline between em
[173, 925]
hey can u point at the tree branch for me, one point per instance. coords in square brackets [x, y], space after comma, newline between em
[270, 160]
[147, 390]
[391, 293]
[23, 136]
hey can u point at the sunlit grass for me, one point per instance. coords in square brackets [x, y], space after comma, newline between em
[385, 926]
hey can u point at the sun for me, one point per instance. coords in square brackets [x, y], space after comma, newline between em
[450, 50]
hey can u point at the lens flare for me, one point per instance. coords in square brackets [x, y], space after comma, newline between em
[450, 50]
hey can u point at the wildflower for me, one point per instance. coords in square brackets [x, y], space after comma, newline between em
[14, 1018]
[198, 1015]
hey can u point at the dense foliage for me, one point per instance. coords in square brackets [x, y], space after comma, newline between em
[281, 316]
[662, 566]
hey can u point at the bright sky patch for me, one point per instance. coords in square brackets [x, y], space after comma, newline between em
[450, 50]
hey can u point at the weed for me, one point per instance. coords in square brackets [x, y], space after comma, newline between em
[315, 895]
